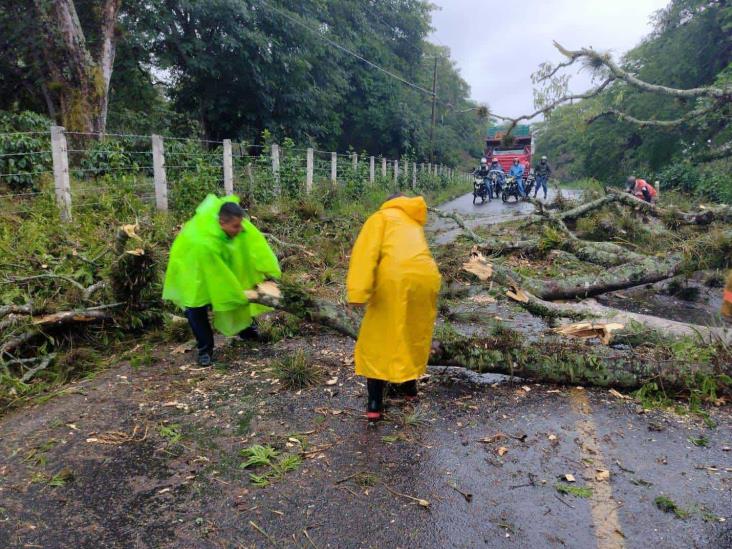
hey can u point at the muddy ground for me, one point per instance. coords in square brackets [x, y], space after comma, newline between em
[148, 454]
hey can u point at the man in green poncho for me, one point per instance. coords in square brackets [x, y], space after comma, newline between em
[217, 256]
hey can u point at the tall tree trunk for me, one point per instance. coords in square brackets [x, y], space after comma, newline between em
[81, 76]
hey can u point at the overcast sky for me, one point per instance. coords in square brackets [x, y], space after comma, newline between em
[498, 44]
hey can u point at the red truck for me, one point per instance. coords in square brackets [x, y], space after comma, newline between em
[521, 147]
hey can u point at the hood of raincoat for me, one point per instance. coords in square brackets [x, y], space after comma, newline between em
[206, 267]
[415, 207]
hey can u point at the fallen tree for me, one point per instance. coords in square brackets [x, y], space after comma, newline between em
[507, 352]
[672, 216]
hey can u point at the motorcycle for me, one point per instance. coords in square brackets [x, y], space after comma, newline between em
[495, 183]
[480, 190]
[529, 184]
[510, 189]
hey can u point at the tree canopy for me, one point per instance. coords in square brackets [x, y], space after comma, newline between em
[233, 68]
[690, 47]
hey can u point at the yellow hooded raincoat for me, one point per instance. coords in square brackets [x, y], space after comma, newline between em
[393, 272]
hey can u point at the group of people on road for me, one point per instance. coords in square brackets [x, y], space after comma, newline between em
[219, 255]
[541, 172]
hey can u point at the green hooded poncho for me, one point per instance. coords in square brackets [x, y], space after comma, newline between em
[206, 267]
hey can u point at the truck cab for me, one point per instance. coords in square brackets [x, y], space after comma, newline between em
[506, 149]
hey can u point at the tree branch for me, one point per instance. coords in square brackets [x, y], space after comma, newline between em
[688, 117]
[597, 59]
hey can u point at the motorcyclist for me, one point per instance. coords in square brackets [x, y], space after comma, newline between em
[496, 167]
[482, 171]
[640, 188]
[517, 172]
[542, 173]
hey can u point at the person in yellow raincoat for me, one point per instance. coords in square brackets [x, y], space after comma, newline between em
[393, 274]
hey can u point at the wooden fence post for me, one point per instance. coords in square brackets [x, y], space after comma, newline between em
[383, 167]
[309, 171]
[334, 167]
[60, 153]
[276, 166]
[372, 170]
[159, 176]
[228, 168]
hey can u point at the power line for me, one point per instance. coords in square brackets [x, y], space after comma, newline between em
[346, 50]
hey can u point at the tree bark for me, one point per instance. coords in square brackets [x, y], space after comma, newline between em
[84, 77]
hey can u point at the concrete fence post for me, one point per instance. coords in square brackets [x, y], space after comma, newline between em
[62, 183]
[396, 174]
[414, 175]
[228, 168]
[159, 176]
[334, 167]
[383, 167]
[354, 160]
[372, 170]
[276, 166]
[309, 171]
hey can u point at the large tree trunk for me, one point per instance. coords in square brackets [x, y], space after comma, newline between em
[647, 271]
[554, 363]
[82, 77]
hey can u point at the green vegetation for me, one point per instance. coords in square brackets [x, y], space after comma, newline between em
[171, 433]
[690, 46]
[667, 505]
[345, 103]
[572, 490]
[297, 371]
[274, 464]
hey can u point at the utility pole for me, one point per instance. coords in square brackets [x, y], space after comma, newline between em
[434, 101]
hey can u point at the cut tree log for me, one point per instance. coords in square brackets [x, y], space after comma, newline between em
[634, 324]
[647, 271]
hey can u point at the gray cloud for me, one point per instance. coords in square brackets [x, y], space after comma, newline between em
[497, 45]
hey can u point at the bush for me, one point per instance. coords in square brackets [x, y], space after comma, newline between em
[24, 155]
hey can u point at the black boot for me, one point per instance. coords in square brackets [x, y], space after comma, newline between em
[375, 388]
[250, 334]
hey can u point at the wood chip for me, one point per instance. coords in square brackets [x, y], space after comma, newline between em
[588, 330]
[478, 265]
[502, 451]
[602, 475]
[570, 478]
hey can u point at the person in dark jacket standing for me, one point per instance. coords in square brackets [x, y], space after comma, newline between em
[542, 173]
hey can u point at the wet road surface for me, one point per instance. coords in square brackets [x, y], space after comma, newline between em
[489, 213]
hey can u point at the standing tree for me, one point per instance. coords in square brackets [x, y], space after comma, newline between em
[78, 59]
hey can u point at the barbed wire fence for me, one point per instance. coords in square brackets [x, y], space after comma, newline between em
[87, 170]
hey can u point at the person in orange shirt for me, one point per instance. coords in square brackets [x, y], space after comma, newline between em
[640, 188]
[727, 303]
